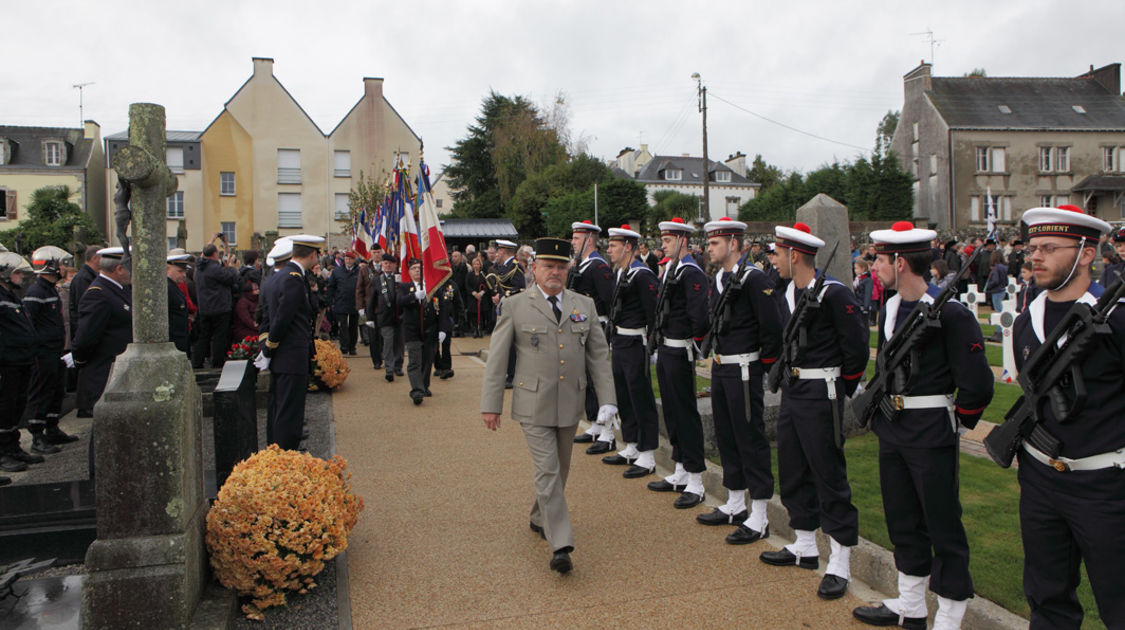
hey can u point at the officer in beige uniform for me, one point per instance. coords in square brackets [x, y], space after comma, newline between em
[557, 340]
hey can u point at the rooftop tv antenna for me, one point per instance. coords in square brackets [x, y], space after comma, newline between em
[934, 43]
[81, 114]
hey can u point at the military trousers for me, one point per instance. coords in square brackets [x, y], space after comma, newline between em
[92, 379]
[675, 375]
[635, 401]
[551, 448]
[1066, 519]
[13, 399]
[812, 471]
[392, 348]
[923, 512]
[287, 397]
[45, 395]
[420, 356]
[740, 429]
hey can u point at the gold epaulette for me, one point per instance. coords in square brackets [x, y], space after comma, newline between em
[264, 336]
[94, 288]
[296, 273]
[272, 345]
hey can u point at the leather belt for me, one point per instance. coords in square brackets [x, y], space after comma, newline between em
[1112, 459]
[743, 360]
[687, 344]
[828, 375]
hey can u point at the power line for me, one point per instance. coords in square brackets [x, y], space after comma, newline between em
[789, 127]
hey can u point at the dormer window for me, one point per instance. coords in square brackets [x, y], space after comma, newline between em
[673, 175]
[52, 153]
[1078, 109]
[722, 176]
[1004, 109]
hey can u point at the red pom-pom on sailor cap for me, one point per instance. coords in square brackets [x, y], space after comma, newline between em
[585, 226]
[799, 238]
[676, 227]
[724, 227]
[1068, 221]
[902, 238]
[625, 232]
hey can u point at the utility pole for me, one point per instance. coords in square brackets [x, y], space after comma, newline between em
[81, 113]
[705, 214]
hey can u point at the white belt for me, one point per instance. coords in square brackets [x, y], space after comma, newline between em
[935, 401]
[1112, 459]
[744, 360]
[687, 344]
[633, 332]
[828, 375]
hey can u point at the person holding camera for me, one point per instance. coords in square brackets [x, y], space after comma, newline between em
[215, 280]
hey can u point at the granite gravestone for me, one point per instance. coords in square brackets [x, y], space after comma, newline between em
[147, 567]
[828, 219]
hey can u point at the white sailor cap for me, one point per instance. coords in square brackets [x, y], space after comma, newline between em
[180, 260]
[725, 226]
[585, 226]
[308, 240]
[112, 252]
[282, 250]
[1067, 221]
[506, 244]
[623, 233]
[799, 238]
[675, 227]
[903, 238]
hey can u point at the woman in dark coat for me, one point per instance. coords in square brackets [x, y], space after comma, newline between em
[480, 299]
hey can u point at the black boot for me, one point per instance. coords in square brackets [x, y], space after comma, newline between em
[55, 435]
[40, 444]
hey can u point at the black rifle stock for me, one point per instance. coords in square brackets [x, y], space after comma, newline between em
[573, 273]
[1052, 373]
[892, 360]
[793, 338]
[614, 308]
[662, 306]
[720, 315]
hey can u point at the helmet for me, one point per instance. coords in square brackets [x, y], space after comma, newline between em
[10, 262]
[49, 259]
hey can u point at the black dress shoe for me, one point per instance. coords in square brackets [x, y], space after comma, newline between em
[636, 472]
[585, 438]
[665, 486]
[719, 517]
[448, 375]
[784, 558]
[56, 435]
[882, 616]
[377, 366]
[417, 399]
[26, 457]
[744, 535]
[832, 587]
[390, 377]
[601, 446]
[538, 529]
[428, 394]
[39, 444]
[560, 561]
[9, 463]
[617, 459]
[687, 500]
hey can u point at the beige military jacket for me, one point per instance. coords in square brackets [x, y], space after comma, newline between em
[551, 359]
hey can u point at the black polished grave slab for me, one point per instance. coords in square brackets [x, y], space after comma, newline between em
[236, 417]
[52, 603]
[47, 520]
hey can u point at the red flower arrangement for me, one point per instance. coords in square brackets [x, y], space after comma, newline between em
[247, 349]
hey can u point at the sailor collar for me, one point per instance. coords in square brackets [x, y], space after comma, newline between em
[1038, 308]
[893, 305]
[791, 289]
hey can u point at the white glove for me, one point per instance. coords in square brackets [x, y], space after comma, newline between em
[441, 336]
[652, 359]
[262, 362]
[363, 313]
[68, 359]
[420, 294]
[369, 324]
[607, 414]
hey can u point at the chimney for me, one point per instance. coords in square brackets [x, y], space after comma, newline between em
[917, 81]
[373, 88]
[1109, 77]
[263, 66]
[737, 163]
[91, 130]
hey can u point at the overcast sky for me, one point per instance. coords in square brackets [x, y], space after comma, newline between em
[830, 69]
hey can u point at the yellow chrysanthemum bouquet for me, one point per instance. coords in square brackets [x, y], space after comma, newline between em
[329, 368]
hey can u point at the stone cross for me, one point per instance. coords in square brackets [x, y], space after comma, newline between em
[972, 299]
[1005, 320]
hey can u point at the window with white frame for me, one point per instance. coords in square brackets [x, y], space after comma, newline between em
[915, 129]
[1054, 159]
[722, 176]
[3, 204]
[1045, 201]
[229, 231]
[437, 202]
[341, 207]
[175, 205]
[1061, 200]
[173, 242]
[342, 164]
[226, 183]
[673, 174]
[732, 206]
[175, 159]
[1062, 159]
[1044, 159]
[991, 159]
[979, 208]
[984, 165]
[933, 164]
[1109, 159]
[288, 210]
[52, 153]
[288, 166]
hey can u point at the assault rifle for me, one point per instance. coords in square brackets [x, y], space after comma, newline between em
[662, 307]
[720, 315]
[615, 306]
[574, 272]
[1053, 375]
[794, 338]
[893, 360]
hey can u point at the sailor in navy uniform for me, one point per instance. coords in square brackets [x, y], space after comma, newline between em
[288, 345]
[105, 326]
[277, 260]
[747, 341]
[810, 446]
[1072, 509]
[683, 327]
[592, 276]
[510, 280]
[944, 394]
[48, 374]
[17, 353]
[634, 313]
[179, 329]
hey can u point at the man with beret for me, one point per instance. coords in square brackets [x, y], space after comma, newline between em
[827, 368]
[946, 389]
[558, 341]
[591, 276]
[1072, 503]
[383, 302]
[419, 331]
